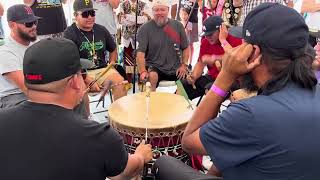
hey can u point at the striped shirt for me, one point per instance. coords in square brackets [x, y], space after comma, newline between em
[248, 5]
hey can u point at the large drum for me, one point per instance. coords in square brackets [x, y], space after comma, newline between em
[167, 118]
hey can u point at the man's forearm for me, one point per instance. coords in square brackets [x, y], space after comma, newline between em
[198, 70]
[208, 109]
[141, 61]
[1, 10]
[113, 56]
[310, 6]
[185, 55]
[133, 168]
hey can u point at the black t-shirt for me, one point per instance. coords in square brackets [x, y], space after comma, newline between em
[103, 42]
[48, 142]
[53, 20]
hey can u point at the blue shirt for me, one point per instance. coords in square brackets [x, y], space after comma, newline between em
[267, 137]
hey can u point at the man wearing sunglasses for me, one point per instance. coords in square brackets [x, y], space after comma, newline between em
[53, 19]
[23, 24]
[93, 40]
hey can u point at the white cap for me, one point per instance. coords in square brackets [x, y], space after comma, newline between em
[167, 3]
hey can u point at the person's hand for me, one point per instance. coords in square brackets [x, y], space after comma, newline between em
[190, 80]
[235, 62]
[145, 151]
[181, 72]
[144, 76]
[316, 62]
[218, 65]
[94, 87]
[223, 33]
[210, 59]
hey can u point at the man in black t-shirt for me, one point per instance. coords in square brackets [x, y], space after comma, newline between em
[93, 40]
[43, 139]
[53, 21]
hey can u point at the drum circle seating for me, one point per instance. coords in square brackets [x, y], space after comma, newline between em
[168, 117]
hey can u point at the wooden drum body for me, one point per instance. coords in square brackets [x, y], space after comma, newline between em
[168, 117]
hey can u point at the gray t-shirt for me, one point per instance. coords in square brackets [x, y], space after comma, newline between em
[158, 44]
[11, 54]
[105, 15]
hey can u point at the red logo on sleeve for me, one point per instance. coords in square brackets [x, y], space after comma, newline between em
[34, 77]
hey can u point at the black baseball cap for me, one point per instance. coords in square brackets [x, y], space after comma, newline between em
[272, 25]
[83, 5]
[210, 25]
[21, 13]
[52, 59]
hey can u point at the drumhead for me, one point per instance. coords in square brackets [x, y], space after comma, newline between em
[166, 111]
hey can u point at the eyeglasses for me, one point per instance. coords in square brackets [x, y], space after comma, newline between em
[30, 24]
[86, 14]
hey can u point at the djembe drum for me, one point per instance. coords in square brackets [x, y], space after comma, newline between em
[167, 118]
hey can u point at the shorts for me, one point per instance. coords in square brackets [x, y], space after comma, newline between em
[97, 72]
[162, 75]
[201, 85]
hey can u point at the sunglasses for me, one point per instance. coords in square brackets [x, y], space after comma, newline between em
[86, 14]
[30, 24]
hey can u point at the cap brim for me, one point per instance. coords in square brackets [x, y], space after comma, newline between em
[315, 34]
[86, 9]
[236, 31]
[86, 64]
[29, 19]
[206, 33]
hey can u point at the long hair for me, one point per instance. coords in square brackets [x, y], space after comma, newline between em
[293, 66]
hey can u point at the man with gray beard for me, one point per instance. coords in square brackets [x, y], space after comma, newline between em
[162, 47]
[23, 25]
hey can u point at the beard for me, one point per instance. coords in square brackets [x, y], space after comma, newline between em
[25, 36]
[248, 83]
[161, 21]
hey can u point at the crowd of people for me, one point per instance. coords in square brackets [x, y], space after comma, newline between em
[271, 50]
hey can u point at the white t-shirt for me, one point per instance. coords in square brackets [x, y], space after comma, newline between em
[312, 19]
[105, 15]
[11, 54]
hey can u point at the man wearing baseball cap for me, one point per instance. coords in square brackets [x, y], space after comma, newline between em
[274, 134]
[162, 47]
[93, 41]
[23, 24]
[216, 40]
[44, 139]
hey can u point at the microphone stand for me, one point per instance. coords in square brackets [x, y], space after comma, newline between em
[135, 49]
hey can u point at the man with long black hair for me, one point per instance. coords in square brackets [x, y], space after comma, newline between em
[274, 134]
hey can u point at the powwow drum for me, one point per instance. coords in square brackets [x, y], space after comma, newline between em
[167, 118]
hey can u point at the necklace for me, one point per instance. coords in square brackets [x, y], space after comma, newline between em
[92, 52]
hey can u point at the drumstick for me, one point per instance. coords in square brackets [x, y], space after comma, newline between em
[148, 92]
[100, 76]
[107, 86]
